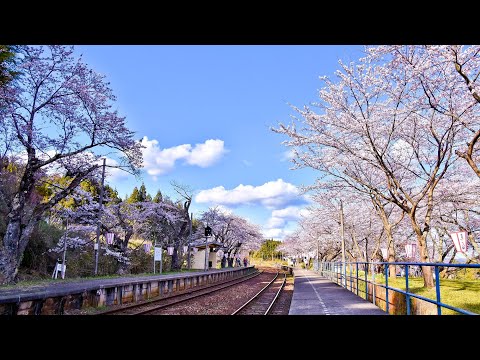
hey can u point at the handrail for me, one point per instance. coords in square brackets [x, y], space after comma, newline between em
[336, 272]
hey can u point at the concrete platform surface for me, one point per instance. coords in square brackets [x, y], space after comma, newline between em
[61, 287]
[316, 295]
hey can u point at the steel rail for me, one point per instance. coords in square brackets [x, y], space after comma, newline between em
[277, 294]
[256, 295]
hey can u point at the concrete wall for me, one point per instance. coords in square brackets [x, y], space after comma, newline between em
[198, 260]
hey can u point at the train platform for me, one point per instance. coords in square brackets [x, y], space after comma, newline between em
[60, 295]
[61, 287]
[316, 295]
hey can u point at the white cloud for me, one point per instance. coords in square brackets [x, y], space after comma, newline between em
[272, 233]
[287, 155]
[290, 213]
[247, 163]
[206, 154]
[272, 194]
[280, 217]
[276, 233]
[225, 210]
[159, 161]
[275, 222]
[280, 223]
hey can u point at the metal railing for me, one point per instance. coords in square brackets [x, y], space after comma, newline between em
[359, 271]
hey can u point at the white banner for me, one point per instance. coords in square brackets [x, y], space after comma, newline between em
[146, 246]
[384, 253]
[410, 250]
[459, 240]
[109, 237]
[170, 250]
[158, 254]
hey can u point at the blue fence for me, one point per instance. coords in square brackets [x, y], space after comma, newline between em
[352, 273]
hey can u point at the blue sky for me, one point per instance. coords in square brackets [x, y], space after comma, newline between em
[205, 112]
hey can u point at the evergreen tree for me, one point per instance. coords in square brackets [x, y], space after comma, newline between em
[7, 59]
[158, 198]
[133, 196]
[142, 193]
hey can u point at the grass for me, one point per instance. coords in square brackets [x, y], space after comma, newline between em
[266, 263]
[459, 293]
[42, 282]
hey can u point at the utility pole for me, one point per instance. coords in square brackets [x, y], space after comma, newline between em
[64, 249]
[342, 229]
[206, 253]
[97, 245]
[189, 240]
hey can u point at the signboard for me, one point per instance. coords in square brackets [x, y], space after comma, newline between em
[384, 253]
[109, 237]
[410, 250]
[460, 240]
[170, 250]
[59, 268]
[158, 254]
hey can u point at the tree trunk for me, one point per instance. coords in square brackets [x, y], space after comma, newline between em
[176, 263]
[8, 267]
[426, 270]
[124, 268]
[14, 242]
[391, 252]
[422, 245]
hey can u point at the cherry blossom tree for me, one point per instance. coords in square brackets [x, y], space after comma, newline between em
[377, 130]
[58, 115]
[448, 76]
[234, 232]
[458, 209]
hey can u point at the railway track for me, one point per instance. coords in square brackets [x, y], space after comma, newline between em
[151, 306]
[263, 302]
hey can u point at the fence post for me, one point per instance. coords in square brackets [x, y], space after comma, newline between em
[373, 284]
[366, 280]
[351, 278]
[407, 296]
[437, 288]
[357, 276]
[386, 289]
